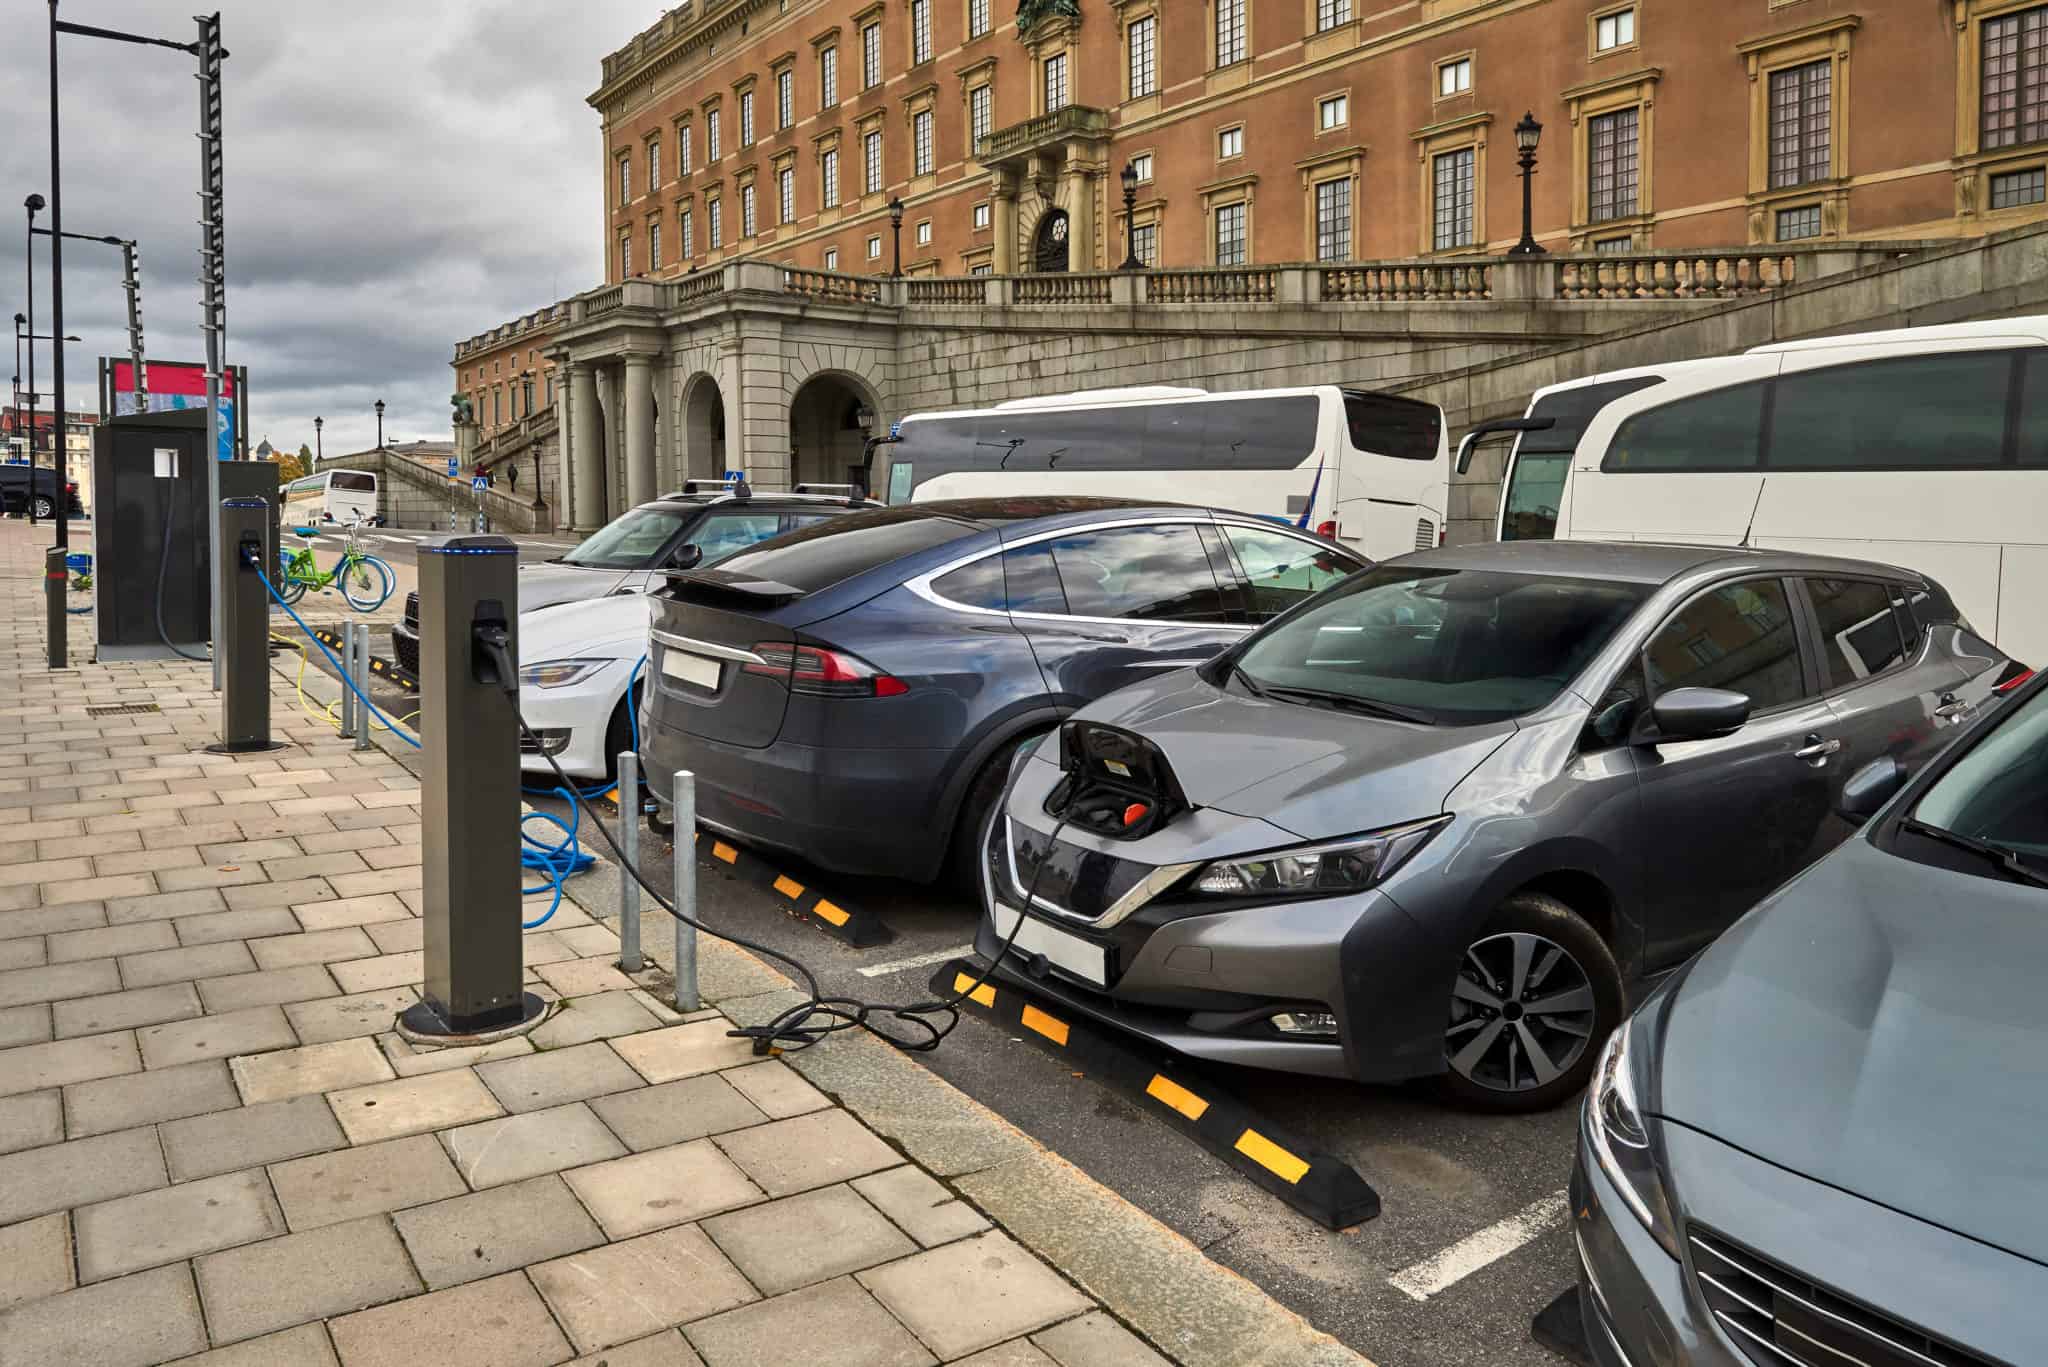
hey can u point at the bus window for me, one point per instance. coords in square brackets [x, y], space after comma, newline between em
[1719, 430]
[1535, 492]
[899, 481]
[1917, 412]
[354, 481]
[2032, 437]
[1382, 425]
[1256, 434]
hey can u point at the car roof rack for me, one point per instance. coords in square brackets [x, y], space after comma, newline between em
[736, 486]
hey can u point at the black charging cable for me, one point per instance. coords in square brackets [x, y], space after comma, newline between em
[163, 570]
[807, 1022]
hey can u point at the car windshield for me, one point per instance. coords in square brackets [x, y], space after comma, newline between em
[1993, 794]
[630, 542]
[1457, 647]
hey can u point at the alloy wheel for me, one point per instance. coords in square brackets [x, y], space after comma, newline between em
[1522, 1013]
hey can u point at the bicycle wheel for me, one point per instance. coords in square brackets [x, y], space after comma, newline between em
[366, 583]
[290, 587]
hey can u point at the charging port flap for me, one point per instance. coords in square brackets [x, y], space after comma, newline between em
[1117, 783]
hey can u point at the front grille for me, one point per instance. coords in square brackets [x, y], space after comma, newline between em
[405, 650]
[412, 610]
[1781, 1319]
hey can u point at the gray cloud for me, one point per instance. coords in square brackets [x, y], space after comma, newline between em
[401, 174]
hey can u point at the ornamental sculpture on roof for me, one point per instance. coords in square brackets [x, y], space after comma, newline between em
[1031, 12]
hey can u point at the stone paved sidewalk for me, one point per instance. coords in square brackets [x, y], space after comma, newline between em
[214, 1149]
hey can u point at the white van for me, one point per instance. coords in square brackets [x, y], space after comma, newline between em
[1369, 470]
[1923, 447]
[332, 496]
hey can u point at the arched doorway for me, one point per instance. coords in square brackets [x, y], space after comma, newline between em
[1049, 251]
[704, 450]
[825, 432]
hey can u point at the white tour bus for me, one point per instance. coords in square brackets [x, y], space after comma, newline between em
[1925, 448]
[1369, 470]
[331, 496]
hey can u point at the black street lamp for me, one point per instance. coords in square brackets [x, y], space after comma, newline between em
[896, 232]
[1129, 177]
[34, 205]
[380, 424]
[1527, 134]
[537, 501]
[319, 449]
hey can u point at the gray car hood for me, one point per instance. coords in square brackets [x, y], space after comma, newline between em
[1879, 1025]
[1314, 773]
[542, 586]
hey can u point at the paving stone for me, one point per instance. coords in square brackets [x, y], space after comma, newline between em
[248, 1137]
[305, 1346]
[210, 876]
[684, 1050]
[808, 1151]
[174, 1223]
[313, 865]
[185, 965]
[98, 889]
[44, 870]
[352, 911]
[348, 1184]
[311, 1068]
[37, 1256]
[673, 1112]
[522, 1146]
[835, 1322]
[120, 1103]
[1096, 1340]
[259, 1288]
[1015, 1353]
[924, 1209]
[973, 1294]
[125, 1010]
[501, 1322]
[129, 1322]
[403, 937]
[235, 925]
[804, 1239]
[30, 1120]
[381, 880]
[296, 893]
[603, 1016]
[775, 1087]
[365, 1013]
[33, 1067]
[252, 1031]
[557, 1077]
[269, 987]
[105, 941]
[164, 906]
[409, 1060]
[411, 1105]
[55, 982]
[584, 977]
[28, 951]
[326, 842]
[385, 970]
[626, 1291]
[250, 851]
[313, 947]
[661, 1187]
[665, 1349]
[26, 1024]
[33, 918]
[495, 1231]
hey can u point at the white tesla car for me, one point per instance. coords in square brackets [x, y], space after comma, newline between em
[579, 660]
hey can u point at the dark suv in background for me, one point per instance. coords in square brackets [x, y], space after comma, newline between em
[49, 486]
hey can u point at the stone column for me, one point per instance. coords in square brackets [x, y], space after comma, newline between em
[586, 509]
[1080, 197]
[638, 396]
[1004, 193]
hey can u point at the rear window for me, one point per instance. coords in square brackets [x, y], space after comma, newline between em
[817, 557]
[353, 481]
[1386, 426]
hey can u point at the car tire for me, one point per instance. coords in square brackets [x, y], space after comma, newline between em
[1533, 951]
[619, 736]
[963, 856]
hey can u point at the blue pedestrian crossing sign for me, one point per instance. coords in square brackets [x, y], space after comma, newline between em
[479, 482]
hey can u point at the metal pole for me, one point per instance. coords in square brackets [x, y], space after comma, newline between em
[348, 671]
[28, 253]
[683, 808]
[363, 683]
[213, 274]
[54, 579]
[138, 367]
[629, 846]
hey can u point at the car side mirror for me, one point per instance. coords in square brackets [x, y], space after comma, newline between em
[1869, 788]
[1698, 714]
[686, 557]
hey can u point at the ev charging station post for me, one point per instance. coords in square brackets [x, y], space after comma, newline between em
[244, 653]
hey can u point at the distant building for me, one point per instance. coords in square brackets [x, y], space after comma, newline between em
[14, 432]
[506, 373]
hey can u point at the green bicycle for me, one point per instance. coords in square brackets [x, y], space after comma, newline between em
[364, 580]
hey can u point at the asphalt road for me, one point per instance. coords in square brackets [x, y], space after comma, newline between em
[1472, 1240]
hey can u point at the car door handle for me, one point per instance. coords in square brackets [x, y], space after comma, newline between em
[1817, 749]
[1953, 708]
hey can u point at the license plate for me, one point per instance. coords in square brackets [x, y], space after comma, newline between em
[684, 667]
[1089, 962]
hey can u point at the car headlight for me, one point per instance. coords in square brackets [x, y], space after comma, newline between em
[556, 673]
[1336, 866]
[1620, 1140]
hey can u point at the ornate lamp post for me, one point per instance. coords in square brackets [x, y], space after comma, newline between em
[1129, 177]
[896, 234]
[380, 424]
[1527, 134]
[319, 447]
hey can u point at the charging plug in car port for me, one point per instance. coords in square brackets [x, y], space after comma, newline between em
[250, 551]
[1117, 783]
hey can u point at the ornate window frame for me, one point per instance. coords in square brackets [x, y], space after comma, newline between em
[1339, 163]
[1973, 165]
[979, 75]
[1584, 103]
[1218, 194]
[1596, 53]
[1826, 40]
[1472, 131]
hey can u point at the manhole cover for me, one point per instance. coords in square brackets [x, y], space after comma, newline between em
[124, 709]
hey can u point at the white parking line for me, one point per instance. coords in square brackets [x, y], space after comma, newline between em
[1441, 1271]
[937, 956]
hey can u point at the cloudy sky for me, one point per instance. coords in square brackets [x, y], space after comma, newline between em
[401, 174]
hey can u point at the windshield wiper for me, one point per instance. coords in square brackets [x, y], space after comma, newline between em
[2006, 859]
[1350, 703]
[1237, 672]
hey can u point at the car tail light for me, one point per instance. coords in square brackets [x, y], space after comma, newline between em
[1328, 529]
[2013, 683]
[825, 673]
[1443, 530]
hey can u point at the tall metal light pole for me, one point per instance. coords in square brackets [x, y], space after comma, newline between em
[380, 424]
[319, 448]
[20, 326]
[896, 233]
[34, 205]
[1527, 134]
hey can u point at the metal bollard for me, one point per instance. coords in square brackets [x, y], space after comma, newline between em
[683, 808]
[469, 811]
[244, 645]
[629, 846]
[56, 580]
[348, 671]
[362, 677]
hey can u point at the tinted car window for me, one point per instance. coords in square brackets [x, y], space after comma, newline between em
[1920, 411]
[1281, 571]
[720, 534]
[1144, 573]
[1738, 637]
[1930, 606]
[979, 585]
[1033, 584]
[1462, 646]
[1859, 633]
[1718, 430]
[812, 558]
[630, 541]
